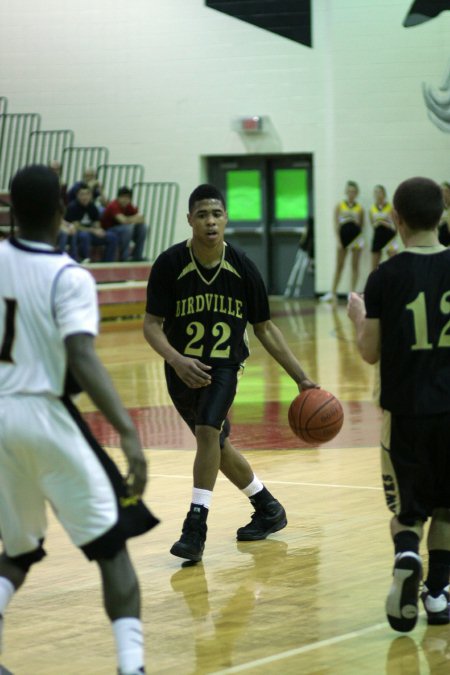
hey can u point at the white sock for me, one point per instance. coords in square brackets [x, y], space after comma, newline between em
[7, 590]
[253, 487]
[129, 644]
[202, 497]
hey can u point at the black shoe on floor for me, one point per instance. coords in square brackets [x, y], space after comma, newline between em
[266, 519]
[436, 607]
[403, 598]
[193, 535]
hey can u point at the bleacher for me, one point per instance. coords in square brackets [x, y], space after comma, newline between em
[121, 286]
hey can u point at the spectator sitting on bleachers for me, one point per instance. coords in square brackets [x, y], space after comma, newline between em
[67, 239]
[67, 235]
[98, 196]
[124, 219]
[83, 213]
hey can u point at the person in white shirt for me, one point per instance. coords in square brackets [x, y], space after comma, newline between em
[48, 324]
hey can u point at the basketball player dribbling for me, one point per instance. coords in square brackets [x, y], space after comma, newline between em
[403, 321]
[201, 294]
[48, 322]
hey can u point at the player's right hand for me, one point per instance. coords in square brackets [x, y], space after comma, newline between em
[193, 372]
[137, 464]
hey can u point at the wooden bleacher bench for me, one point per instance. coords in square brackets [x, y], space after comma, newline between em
[121, 288]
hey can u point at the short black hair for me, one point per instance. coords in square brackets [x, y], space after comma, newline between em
[205, 191]
[35, 197]
[419, 202]
[124, 191]
[82, 186]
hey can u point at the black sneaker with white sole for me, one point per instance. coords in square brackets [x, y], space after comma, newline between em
[436, 607]
[403, 598]
[193, 535]
[267, 518]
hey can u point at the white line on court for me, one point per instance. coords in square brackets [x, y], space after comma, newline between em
[301, 650]
[282, 482]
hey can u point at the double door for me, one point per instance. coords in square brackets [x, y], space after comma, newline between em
[269, 204]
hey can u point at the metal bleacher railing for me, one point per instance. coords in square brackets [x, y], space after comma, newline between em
[45, 146]
[76, 159]
[158, 202]
[15, 130]
[114, 176]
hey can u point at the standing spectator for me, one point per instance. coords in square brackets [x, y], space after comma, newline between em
[348, 225]
[402, 321]
[124, 219]
[56, 166]
[98, 195]
[47, 453]
[83, 213]
[384, 232]
[444, 224]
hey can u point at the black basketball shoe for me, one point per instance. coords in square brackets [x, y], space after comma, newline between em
[403, 598]
[193, 535]
[436, 607]
[267, 518]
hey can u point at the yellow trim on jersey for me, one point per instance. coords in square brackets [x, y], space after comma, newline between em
[347, 212]
[227, 266]
[381, 214]
[193, 267]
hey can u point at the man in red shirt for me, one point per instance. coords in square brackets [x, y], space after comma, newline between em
[124, 219]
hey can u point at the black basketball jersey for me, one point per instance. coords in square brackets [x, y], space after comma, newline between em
[206, 310]
[410, 295]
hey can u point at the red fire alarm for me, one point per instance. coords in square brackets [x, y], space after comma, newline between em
[251, 125]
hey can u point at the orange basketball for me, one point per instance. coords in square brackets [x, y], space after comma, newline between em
[315, 416]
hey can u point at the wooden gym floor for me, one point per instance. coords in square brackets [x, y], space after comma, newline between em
[309, 599]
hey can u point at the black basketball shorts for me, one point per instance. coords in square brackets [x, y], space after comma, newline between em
[208, 405]
[381, 237]
[444, 234]
[415, 460]
[348, 233]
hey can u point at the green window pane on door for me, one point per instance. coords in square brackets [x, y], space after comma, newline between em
[291, 194]
[244, 195]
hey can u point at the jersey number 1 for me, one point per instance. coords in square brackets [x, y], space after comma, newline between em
[8, 338]
[419, 309]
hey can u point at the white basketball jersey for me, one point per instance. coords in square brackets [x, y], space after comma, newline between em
[44, 297]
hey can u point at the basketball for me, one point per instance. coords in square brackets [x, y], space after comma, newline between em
[315, 416]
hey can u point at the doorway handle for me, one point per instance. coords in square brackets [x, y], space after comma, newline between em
[245, 230]
[274, 229]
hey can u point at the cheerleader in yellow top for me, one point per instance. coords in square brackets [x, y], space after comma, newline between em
[348, 222]
[444, 225]
[384, 232]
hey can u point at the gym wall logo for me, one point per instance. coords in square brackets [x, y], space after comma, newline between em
[289, 19]
[437, 99]
[293, 20]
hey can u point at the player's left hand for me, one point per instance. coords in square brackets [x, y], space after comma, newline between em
[356, 309]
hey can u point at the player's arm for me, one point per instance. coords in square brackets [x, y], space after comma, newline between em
[274, 343]
[193, 372]
[92, 376]
[367, 330]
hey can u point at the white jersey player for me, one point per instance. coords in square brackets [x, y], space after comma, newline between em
[48, 322]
